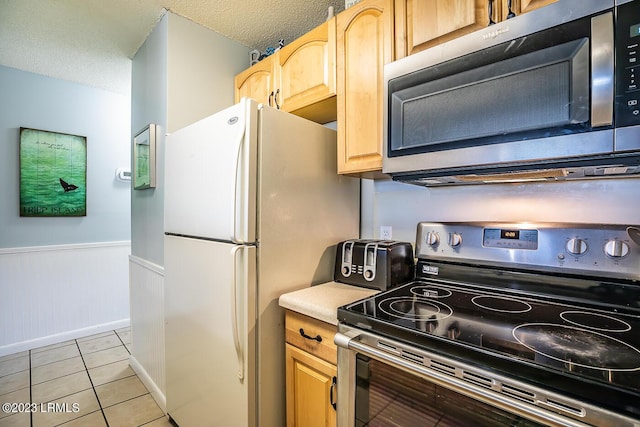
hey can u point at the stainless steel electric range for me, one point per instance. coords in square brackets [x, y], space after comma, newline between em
[505, 324]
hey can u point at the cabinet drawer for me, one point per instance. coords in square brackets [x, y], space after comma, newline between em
[298, 324]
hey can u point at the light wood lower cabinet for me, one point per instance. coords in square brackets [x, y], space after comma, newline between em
[311, 372]
[311, 384]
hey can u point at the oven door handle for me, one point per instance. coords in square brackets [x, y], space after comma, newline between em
[351, 343]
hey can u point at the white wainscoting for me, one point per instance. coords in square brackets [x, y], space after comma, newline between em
[50, 294]
[147, 326]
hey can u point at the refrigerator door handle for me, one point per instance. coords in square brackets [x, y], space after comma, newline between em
[234, 314]
[237, 209]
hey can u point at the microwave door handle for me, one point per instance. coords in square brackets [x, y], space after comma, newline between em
[602, 70]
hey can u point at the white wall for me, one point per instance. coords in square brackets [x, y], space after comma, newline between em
[402, 206]
[39, 102]
[149, 105]
[183, 72]
[61, 278]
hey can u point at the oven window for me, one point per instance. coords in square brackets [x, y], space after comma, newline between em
[387, 396]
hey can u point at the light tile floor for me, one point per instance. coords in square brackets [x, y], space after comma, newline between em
[85, 382]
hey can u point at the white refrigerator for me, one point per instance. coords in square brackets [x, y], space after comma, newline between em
[254, 208]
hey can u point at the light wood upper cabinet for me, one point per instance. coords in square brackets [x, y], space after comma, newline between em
[300, 78]
[256, 82]
[421, 24]
[307, 74]
[364, 44]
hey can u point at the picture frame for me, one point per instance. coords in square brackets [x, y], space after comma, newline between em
[144, 158]
[53, 174]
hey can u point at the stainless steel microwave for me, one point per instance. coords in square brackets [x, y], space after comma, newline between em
[553, 94]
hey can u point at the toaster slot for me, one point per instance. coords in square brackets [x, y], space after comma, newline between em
[347, 257]
[369, 270]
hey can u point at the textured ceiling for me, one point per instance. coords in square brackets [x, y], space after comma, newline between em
[92, 41]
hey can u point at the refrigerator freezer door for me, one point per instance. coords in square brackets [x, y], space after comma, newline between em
[210, 176]
[210, 324]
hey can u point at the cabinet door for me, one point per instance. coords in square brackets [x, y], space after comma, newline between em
[306, 82]
[421, 24]
[310, 387]
[256, 82]
[523, 6]
[364, 45]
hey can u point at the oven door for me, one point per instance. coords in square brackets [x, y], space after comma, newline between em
[382, 382]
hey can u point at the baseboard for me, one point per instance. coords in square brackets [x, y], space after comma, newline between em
[155, 391]
[63, 336]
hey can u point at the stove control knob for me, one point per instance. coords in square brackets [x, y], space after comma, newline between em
[576, 246]
[455, 239]
[616, 248]
[432, 238]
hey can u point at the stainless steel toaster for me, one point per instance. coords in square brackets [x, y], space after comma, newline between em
[377, 264]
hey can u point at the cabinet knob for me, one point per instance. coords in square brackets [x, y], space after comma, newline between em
[490, 8]
[510, 13]
[309, 337]
[331, 393]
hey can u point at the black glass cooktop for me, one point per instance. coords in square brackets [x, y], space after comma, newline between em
[592, 341]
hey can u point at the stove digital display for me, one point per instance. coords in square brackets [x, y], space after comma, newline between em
[510, 238]
[510, 234]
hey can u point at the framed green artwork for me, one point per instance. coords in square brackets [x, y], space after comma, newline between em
[144, 158]
[53, 174]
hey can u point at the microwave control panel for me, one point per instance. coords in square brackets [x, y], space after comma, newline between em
[628, 64]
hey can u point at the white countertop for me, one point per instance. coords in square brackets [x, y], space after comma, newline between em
[322, 301]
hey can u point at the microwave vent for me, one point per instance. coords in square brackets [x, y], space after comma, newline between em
[537, 175]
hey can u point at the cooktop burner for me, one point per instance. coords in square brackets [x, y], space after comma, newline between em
[415, 308]
[578, 347]
[599, 322]
[502, 304]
